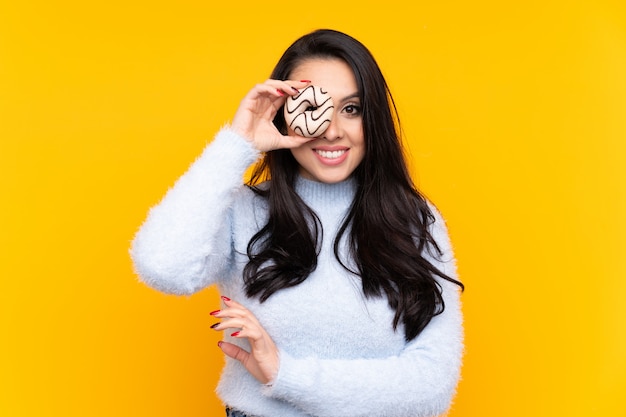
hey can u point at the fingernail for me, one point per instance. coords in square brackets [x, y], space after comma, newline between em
[213, 313]
[295, 89]
[215, 325]
[305, 81]
[235, 334]
[219, 344]
[225, 298]
[280, 92]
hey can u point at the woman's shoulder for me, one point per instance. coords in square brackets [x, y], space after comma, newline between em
[249, 214]
[250, 197]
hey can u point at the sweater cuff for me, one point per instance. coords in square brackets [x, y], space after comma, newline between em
[290, 379]
[229, 142]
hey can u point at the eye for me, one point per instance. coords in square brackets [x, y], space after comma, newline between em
[352, 109]
[311, 108]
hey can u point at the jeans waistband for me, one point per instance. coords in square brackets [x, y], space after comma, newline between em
[234, 413]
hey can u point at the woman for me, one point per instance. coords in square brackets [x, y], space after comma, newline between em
[339, 286]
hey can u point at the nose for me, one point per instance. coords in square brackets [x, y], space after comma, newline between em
[333, 132]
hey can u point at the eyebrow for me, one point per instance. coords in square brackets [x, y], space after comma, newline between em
[350, 97]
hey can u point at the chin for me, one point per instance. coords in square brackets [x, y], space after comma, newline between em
[331, 179]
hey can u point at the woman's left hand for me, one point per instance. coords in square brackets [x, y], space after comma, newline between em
[262, 361]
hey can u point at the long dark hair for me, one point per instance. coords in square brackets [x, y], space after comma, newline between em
[387, 226]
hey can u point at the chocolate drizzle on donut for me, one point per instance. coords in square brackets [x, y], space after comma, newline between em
[309, 113]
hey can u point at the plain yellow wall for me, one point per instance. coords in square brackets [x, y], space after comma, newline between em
[515, 115]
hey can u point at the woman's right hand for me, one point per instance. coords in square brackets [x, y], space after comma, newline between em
[256, 112]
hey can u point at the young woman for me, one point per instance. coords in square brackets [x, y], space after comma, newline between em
[340, 295]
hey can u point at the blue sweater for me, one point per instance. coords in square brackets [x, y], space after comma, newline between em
[339, 355]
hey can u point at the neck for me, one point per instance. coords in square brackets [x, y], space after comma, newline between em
[316, 193]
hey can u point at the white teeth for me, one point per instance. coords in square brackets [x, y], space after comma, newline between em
[330, 154]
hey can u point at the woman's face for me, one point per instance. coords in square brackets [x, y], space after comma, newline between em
[333, 156]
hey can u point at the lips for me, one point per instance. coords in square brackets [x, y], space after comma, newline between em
[331, 156]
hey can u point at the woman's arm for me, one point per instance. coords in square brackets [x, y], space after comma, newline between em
[186, 239]
[421, 381]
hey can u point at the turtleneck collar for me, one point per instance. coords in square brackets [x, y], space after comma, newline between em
[319, 194]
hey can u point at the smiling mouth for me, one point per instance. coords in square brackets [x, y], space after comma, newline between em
[330, 154]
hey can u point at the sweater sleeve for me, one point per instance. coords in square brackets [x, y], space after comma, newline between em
[185, 242]
[420, 381]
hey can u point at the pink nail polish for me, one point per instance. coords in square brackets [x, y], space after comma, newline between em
[213, 313]
[305, 81]
[225, 298]
[235, 334]
[280, 92]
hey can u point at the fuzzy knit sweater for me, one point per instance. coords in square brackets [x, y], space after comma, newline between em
[339, 354]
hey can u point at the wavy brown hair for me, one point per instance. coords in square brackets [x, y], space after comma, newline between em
[387, 226]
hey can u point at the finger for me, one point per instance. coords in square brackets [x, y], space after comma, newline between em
[236, 316]
[234, 309]
[298, 84]
[246, 360]
[236, 324]
[233, 351]
[264, 91]
[225, 325]
[231, 319]
[241, 328]
[253, 334]
[289, 87]
[228, 302]
[293, 141]
[276, 90]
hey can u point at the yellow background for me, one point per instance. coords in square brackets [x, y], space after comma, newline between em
[515, 114]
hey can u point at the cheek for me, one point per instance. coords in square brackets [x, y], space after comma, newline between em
[299, 154]
[361, 155]
[362, 149]
[359, 139]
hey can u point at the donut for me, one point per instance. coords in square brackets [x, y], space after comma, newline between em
[309, 112]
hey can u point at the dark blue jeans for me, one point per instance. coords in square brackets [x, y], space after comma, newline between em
[234, 413]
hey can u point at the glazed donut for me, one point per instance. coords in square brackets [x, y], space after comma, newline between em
[309, 112]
